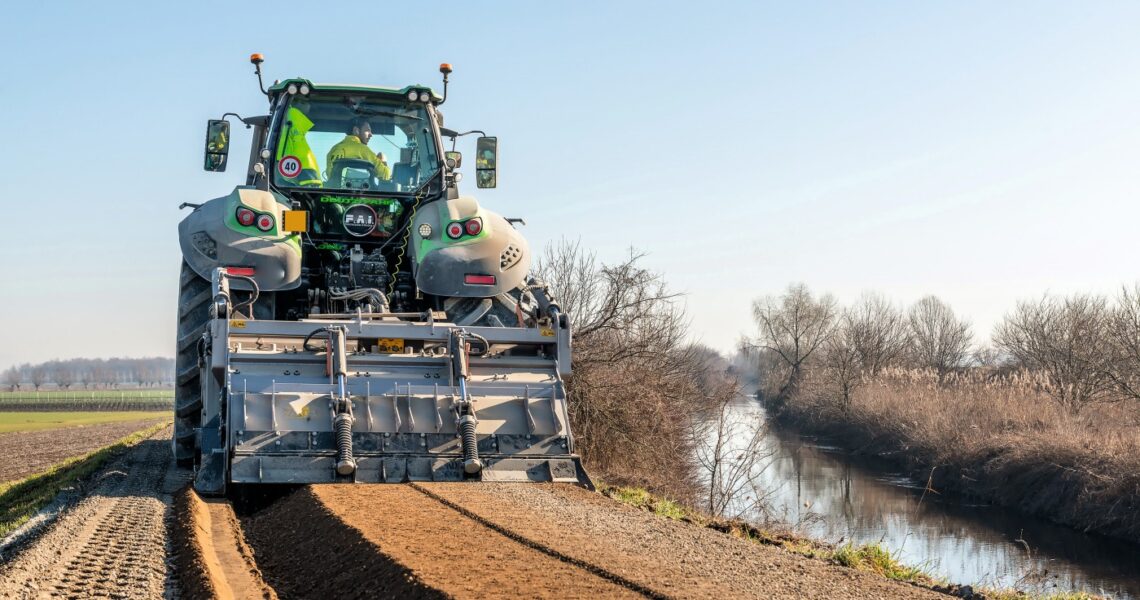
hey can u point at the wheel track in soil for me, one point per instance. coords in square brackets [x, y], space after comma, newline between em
[113, 543]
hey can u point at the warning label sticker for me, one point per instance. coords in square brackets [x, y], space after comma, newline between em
[289, 166]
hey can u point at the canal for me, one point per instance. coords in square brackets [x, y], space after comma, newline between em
[836, 497]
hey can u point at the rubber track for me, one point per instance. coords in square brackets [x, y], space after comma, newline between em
[547, 550]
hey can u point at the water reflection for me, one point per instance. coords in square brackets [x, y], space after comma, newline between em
[835, 497]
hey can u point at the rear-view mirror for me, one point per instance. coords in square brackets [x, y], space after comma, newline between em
[217, 145]
[486, 162]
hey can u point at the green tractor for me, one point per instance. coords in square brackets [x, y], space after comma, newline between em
[347, 315]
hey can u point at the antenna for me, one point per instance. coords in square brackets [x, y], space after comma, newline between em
[256, 58]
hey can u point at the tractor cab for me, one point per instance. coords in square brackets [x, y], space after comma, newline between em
[353, 139]
[356, 159]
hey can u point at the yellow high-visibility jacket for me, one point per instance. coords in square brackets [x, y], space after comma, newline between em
[352, 147]
[294, 143]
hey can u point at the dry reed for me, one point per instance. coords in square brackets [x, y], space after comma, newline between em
[996, 436]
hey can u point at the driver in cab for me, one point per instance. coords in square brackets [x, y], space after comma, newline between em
[355, 146]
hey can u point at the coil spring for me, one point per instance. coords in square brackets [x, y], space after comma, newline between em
[470, 449]
[343, 426]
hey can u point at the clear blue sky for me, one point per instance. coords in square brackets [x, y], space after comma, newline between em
[980, 151]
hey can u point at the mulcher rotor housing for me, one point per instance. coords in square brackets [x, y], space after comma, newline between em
[355, 322]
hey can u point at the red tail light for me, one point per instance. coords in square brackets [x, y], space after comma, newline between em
[245, 216]
[473, 226]
[246, 271]
[471, 279]
[454, 230]
[264, 222]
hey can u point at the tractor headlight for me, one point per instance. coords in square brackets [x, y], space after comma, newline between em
[292, 89]
[305, 89]
[425, 230]
[413, 95]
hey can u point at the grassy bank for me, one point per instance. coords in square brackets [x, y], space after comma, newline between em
[19, 500]
[869, 557]
[998, 439]
[36, 421]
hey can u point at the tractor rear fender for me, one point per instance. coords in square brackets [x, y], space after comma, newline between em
[212, 236]
[464, 266]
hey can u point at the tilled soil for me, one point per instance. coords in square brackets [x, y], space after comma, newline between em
[392, 541]
[210, 552]
[521, 540]
[674, 558]
[113, 543]
[29, 452]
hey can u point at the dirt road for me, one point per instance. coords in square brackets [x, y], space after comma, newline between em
[113, 543]
[408, 541]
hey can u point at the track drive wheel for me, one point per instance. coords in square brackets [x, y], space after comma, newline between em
[193, 313]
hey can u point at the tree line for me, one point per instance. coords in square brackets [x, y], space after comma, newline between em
[90, 374]
[1085, 347]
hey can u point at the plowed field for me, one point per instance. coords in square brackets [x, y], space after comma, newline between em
[29, 452]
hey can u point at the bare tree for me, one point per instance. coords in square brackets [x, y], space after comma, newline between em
[624, 304]
[793, 327]
[843, 359]
[1067, 340]
[636, 382]
[987, 356]
[86, 376]
[939, 340]
[876, 331]
[39, 376]
[62, 374]
[104, 374]
[12, 378]
[730, 454]
[1124, 336]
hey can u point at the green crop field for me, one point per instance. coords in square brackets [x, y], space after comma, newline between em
[35, 421]
[87, 400]
[89, 395]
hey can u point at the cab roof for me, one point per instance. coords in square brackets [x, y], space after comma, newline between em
[352, 87]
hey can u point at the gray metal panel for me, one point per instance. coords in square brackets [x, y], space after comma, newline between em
[388, 444]
[280, 419]
[319, 469]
